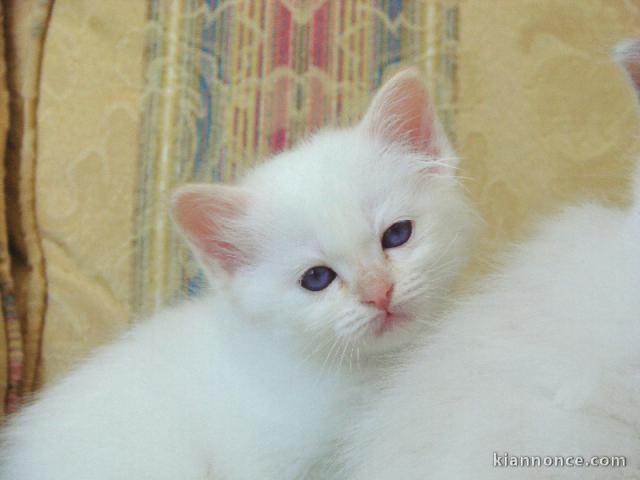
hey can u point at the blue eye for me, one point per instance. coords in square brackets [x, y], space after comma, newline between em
[317, 278]
[397, 234]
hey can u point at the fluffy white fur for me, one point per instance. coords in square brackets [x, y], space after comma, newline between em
[543, 361]
[256, 380]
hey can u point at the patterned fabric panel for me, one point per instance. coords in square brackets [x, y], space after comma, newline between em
[231, 82]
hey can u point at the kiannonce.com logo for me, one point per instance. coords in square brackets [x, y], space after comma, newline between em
[533, 461]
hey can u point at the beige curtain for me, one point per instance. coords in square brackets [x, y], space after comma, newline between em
[544, 117]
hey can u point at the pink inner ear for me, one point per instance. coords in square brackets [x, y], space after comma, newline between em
[401, 112]
[633, 69]
[628, 53]
[410, 107]
[206, 214]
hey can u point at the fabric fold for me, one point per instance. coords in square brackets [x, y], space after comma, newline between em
[25, 27]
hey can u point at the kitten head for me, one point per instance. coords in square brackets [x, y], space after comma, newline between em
[352, 239]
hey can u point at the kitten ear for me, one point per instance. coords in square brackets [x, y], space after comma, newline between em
[402, 112]
[208, 216]
[627, 54]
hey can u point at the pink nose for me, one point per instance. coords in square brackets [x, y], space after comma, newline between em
[378, 294]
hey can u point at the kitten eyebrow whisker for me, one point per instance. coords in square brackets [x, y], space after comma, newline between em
[448, 161]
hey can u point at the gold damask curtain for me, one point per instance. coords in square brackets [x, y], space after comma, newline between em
[104, 106]
[70, 81]
[22, 278]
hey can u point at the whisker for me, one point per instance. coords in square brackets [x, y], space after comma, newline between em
[351, 358]
[333, 345]
[356, 325]
[344, 350]
[317, 347]
[357, 333]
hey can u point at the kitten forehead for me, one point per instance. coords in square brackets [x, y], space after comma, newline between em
[336, 187]
[334, 164]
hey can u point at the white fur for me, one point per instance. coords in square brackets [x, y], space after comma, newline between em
[545, 360]
[256, 380]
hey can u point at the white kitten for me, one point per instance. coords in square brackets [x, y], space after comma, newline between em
[544, 361]
[320, 260]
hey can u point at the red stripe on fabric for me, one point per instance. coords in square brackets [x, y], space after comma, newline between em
[318, 55]
[320, 37]
[340, 72]
[279, 140]
[282, 38]
[282, 35]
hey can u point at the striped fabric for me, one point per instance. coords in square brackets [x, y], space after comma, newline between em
[231, 82]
